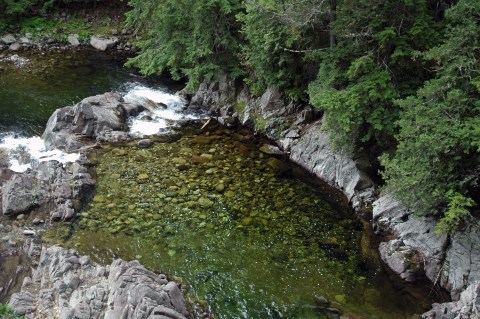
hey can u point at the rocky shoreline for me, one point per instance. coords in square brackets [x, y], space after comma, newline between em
[62, 284]
[410, 247]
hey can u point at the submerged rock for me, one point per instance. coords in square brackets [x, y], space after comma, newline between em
[67, 285]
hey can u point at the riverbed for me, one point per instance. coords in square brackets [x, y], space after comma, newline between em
[250, 234]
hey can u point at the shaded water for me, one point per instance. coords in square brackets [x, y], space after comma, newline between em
[211, 208]
[34, 84]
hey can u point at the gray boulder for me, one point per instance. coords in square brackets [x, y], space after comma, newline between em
[15, 46]
[8, 39]
[73, 40]
[103, 44]
[66, 285]
[98, 118]
[467, 307]
[20, 194]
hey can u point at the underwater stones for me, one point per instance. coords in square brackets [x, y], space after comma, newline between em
[278, 167]
[203, 140]
[205, 202]
[99, 199]
[201, 159]
[143, 177]
[271, 150]
[220, 187]
[145, 143]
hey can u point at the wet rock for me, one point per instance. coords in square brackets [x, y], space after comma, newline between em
[71, 285]
[103, 44]
[321, 302]
[145, 143]
[278, 167]
[271, 149]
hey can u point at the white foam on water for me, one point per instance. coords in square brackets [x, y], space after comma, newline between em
[22, 151]
[167, 111]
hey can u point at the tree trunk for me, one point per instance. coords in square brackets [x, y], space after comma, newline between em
[332, 16]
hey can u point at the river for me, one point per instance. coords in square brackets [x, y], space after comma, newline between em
[250, 234]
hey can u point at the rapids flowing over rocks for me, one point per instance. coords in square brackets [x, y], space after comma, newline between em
[415, 251]
[66, 285]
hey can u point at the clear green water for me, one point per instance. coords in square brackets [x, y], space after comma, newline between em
[212, 211]
[49, 80]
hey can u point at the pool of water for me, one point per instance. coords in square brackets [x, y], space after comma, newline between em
[238, 227]
[34, 84]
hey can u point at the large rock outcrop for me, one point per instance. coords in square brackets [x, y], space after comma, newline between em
[94, 119]
[467, 307]
[100, 118]
[48, 182]
[65, 285]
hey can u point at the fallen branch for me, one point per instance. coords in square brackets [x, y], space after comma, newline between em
[206, 123]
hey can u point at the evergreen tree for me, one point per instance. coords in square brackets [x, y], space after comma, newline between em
[372, 63]
[279, 35]
[437, 164]
[196, 39]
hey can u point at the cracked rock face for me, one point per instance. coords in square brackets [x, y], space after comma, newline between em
[66, 285]
[467, 307]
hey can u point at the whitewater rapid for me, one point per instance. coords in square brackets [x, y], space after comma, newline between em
[168, 110]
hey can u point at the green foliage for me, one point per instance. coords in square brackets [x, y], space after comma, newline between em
[196, 39]
[457, 211]
[372, 64]
[7, 313]
[41, 26]
[278, 34]
[437, 165]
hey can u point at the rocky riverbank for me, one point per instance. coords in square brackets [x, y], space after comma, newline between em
[63, 284]
[410, 247]
[66, 285]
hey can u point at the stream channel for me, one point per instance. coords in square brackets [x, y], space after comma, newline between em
[250, 234]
